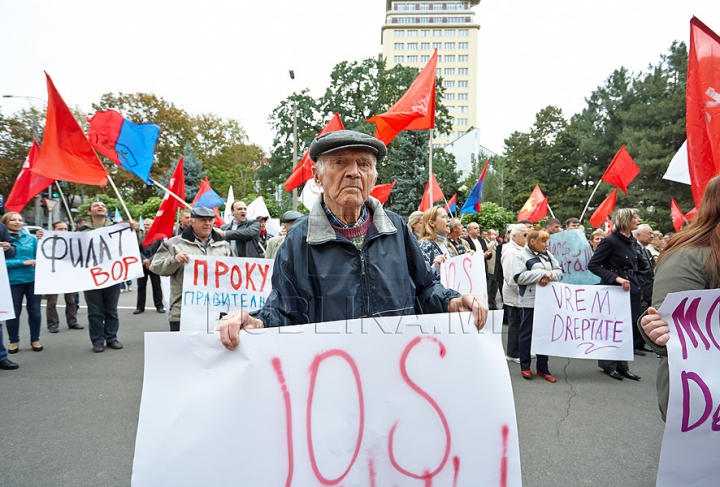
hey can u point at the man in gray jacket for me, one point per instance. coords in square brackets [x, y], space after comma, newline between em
[241, 232]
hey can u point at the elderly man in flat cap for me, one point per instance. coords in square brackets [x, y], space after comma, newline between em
[349, 258]
[198, 238]
[274, 243]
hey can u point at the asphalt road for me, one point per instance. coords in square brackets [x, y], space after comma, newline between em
[68, 416]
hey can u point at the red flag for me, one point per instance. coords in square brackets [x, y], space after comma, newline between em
[535, 208]
[691, 215]
[608, 225]
[621, 171]
[303, 170]
[703, 107]
[66, 154]
[382, 191]
[415, 110]
[218, 222]
[676, 214]
[164, 223]
[605, 208]
[27, 185]
[425, 204]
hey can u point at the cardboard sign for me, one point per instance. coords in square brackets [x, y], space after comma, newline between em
[573, 252]
[7, 311]
[465, 274]
[691, 443]
[376, 402]
[79, 261]
[214, 285]
[591, 322]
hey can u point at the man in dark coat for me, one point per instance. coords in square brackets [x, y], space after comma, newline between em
[241, 233]
[147, 254]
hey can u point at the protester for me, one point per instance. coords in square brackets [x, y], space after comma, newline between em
[572, 223]
[274, 243]
[455, 244]
[646, 267]
[9, 249]
[170, 259]
[595, 237]
[241, 232]
[432, 238]
[21, 274]
[147, 253]
[532, 266]
[689, 262]
[655, 246]
[53, 320]
[492, 284]
[518, 239]
[615, 262]
[262, 239]
[349, 246]
[415, 223]
[552, 226]
[184, 222]
[477, 243]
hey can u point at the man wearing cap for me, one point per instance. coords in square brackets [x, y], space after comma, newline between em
[274, 243]
[349, 258]
[261, 242]
[197, 239]
[241, 232]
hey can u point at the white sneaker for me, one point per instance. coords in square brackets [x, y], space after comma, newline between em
[512, 359]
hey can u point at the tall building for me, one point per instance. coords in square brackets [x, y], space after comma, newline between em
[413, 30]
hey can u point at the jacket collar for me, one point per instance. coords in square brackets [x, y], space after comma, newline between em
[320, 230]
[189, 235]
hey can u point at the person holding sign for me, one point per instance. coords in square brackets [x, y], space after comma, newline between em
[349, 258]
[533, 266]
[53, 320]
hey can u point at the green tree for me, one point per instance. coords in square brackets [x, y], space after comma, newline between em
[491, 216]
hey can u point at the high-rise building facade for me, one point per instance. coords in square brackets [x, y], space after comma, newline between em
[413, 30]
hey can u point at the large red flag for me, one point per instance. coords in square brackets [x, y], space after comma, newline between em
[382, 191]
[691, 215]
[303, 170]
[66, 154]
[27, 185]
[425, 204]
[703, 107]
[415, 110]
[621, 171]
[535, 208]
[164, 222]
[676, 214]
[606, 207]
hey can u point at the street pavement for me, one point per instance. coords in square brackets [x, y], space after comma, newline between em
[68, 416]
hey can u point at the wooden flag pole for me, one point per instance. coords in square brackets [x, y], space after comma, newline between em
[588, 201]
[67, 207]
[550, 210]
[122, 201]
[171, 193]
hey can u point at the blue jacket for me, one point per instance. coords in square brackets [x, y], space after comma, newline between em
[26, 246]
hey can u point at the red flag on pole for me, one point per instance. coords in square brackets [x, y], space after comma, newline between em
[621, 171]
[164, 223]
[27, 185]
[381, 192]
[603, 211]
[691, 215]
[303, 170]
[66, 154]
[676, 214]
[425, 204]
[415, 110]
[535, 208]
[703, 107]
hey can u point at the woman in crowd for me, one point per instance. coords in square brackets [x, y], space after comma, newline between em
[533, 266]
[432, 239]
[690, 261]
[655, 246]
[595, 238]
[415, 223]
[21, 273]
[615, 262]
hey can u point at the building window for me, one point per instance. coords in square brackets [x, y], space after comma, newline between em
[412, 45]
[399, 33]
[450, 59]
[462, 96]
[463, 109]
[424, 59]
[463, 45]
[462, 70]
[399, 46]
[425, 6]
[424, 33]
[424, 20]
[463, 84]
[399, 59]
[463, 58]
[437, 20]
[463, 32]
[450, 33]
[437, 45]
[462, 121]
[438, 72]
[449, 96]
[425, 45]
[412, 33]
[449, 45]
[450, 71]
[404, 20]
[451, 109]
[437, 33]
[412, 59]
[449, 84]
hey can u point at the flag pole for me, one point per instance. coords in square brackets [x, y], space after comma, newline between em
[122, 201]
[588, 201]
[171, 193]
[550, 210]
[431, 171]
[67, 207]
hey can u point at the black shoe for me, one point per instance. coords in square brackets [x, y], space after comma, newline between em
[161, 310]
[98, 347]
[115, 345]
[8, 365]
[138, 311]
[629, 375]
[53, 329]
[614, 374]
[13, 350]
[76, 326]
[639, 352]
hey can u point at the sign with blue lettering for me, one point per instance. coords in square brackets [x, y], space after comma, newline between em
[573, 252]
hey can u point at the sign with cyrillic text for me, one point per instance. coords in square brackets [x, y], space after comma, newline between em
[573, 252]
[465, 274]
[7, 311]
[214, 285]
[377, 402]
[691, 444]
[67, 262]
[582, 321]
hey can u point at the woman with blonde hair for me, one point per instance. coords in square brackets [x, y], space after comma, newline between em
[415, 223]
[596, 236]
[432, 238]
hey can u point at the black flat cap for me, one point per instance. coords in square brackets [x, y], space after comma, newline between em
[202, 212]
[291, 216]
[343, 139]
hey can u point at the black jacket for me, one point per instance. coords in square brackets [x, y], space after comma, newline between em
[483, 250]
[5, 237]
[616, 256]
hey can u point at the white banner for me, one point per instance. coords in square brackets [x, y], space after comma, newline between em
[310, 193]
[691, 444]
[388, 402]
[79, 261]
[214, 285]
[257, 208]
[582, 321]
[465, 274]
[573, 252]
[7, 311]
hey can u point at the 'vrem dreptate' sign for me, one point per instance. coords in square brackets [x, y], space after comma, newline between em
[67, 262]
[573, 252]
[214, 285]
[376, 402]
[690, 452]
[465, 274]
[582, 321]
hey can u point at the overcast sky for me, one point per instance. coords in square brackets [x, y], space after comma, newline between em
[232, 58]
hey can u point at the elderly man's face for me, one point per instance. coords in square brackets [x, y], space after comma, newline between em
[473, 230]
[644, 235]
[347, 178]
[147, 224]
[455, 231]
[202, 226]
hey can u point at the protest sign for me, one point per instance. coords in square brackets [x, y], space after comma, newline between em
[377, 402]
[573, 252]
[214, 285]
[79, 261]
[579, 321]
[7, 311]
[691, 443]
[465, 274]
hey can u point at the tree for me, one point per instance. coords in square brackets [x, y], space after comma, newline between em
[491, 216]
